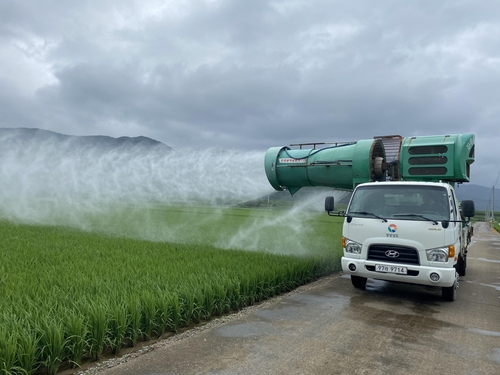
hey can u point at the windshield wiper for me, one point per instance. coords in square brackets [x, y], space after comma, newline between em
[416, 215]
[368, 213]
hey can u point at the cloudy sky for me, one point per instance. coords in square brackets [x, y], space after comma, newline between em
[250, 75]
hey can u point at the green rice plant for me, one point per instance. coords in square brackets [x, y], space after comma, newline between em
[52, 342]
[174, 312]
[187, 301]
[134, 313]
[27, 349]
[267, 287]
[98, 328]
[3, 277]
[234, 294]
[199, 305]
[254, 290]
[251, 296]
[163, 315]
[272, 283]
[208, 300]
[8, 349]
[222, 303]
[259, 289]
[76, 331]
[245, 290]
[118, 323]
[149, 314]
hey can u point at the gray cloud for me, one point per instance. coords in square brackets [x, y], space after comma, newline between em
[254, 74]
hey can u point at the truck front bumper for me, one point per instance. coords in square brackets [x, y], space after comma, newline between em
[415, 274]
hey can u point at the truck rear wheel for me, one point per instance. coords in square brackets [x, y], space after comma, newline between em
[449, 293]
[358, 281]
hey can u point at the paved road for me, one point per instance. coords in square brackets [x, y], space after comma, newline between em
[332, 328]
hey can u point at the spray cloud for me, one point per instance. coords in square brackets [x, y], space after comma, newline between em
[47, 172]
[47, 178]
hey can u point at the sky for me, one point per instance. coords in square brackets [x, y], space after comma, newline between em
[249, 75]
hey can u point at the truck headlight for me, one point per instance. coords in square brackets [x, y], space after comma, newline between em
[352, 247]
[437, 255]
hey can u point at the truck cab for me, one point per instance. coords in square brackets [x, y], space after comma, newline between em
[412, 232]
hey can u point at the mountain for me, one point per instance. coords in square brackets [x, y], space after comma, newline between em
[482, 196]
[32, 137]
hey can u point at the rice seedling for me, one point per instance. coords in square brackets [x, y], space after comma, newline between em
[149, 314]
[236, 300]
[163, 316]
[98, 328]
[199, 307]
[208, 300]
[27, 349]
[245, 290]
[8, 350]
[118, 323]
[219, 299]
[76, 332]
[134, 313]
[53, 344]
[175, 312]
[187, 300]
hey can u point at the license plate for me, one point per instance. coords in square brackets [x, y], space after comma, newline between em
[391, 269]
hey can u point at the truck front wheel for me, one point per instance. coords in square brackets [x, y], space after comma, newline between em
[450, 292]
[462, 265]
[358, 281]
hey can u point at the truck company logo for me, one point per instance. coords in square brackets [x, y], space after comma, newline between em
[391, 254]
[392, 228]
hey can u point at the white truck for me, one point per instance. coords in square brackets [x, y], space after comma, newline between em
[411, 232]
[403, 222]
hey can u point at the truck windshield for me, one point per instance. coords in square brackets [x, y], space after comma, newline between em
[405, 202]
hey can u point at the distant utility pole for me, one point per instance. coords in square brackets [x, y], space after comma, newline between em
[493, 204]
[493, 199]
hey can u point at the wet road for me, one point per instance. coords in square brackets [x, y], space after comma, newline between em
[330, 327]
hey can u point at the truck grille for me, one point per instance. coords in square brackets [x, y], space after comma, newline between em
[406, 255]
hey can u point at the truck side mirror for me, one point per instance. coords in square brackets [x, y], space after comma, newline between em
[329, 205]
[468, 208]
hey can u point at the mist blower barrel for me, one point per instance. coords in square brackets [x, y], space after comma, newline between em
[341, 166]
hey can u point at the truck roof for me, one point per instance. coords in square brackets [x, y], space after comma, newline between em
[407, 183]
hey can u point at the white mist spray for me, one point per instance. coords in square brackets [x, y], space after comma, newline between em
[62, 181]
[41, 181]
[286, 232]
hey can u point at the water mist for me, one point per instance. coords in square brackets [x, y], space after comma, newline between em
[54, 180]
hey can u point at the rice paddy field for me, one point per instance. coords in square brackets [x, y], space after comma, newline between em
[71, 293]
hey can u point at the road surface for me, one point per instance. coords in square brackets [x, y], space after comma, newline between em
[329, 327]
